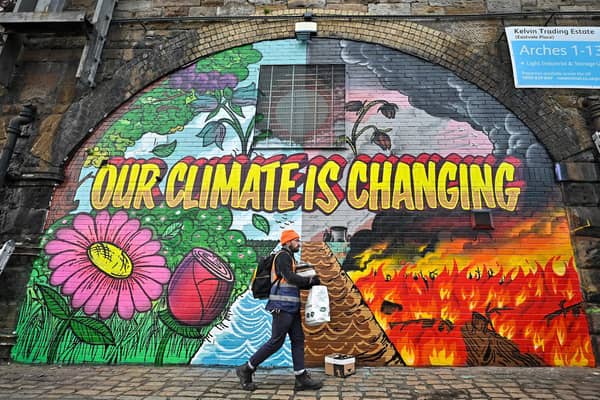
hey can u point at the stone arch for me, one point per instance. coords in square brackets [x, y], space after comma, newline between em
[187, 47]
[538, 113]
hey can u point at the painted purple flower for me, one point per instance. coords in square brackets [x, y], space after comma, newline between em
[202, 82]
[107, 263]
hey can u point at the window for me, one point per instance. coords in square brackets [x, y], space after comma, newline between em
[301, 105]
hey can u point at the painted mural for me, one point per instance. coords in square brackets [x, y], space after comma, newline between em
[436, 224]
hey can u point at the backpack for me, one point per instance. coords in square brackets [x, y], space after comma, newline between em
[260, 284]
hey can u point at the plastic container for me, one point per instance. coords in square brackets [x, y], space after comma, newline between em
[306, 270]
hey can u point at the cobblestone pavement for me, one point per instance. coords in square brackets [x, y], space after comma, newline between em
[18, 381]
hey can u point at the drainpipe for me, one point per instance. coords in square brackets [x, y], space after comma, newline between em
[12, 134]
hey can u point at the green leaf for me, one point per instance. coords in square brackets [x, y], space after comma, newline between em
[261, 223]
[191, 98]
[228, 93]
[92, 331]
[172, 230]
[56, 304]
[219, 95]
[182, 330]
[264, 134]
[161, 111]
[213, 113]
[238, 110]
[164, 150]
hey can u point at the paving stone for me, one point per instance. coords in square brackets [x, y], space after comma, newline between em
[70, 383]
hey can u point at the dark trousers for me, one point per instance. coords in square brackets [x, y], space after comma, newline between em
[284, 323]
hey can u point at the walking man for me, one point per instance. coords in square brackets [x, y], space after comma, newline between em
[284, 305]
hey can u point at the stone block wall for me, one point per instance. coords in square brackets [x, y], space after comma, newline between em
[197, 8]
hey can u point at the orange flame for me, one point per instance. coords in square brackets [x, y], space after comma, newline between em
[537, 305]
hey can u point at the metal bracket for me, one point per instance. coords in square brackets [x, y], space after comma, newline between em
[26, 18]
[33, 16]
[92, 52]
[5, 252]
[550, 18]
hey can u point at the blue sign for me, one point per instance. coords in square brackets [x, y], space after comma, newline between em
[555, 57]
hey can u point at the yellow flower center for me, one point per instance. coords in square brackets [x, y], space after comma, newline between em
[110, 259]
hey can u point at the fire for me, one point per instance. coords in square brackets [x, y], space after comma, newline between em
[507, 330]
[408, 355]
[445, 293]
[440, 358]
[561, 335]
[533, 301]
[448, 314]
[368, 294]
[538, 342]
[580, 357]
[374, 251]
[521, 298]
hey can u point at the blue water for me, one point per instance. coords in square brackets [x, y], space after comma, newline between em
[234, 343]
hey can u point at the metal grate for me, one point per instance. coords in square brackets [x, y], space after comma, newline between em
[301, 105]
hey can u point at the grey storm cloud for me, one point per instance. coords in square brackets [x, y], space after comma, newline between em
[440, 93]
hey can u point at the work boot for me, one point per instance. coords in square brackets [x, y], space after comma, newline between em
[244, 372]
[305, 382]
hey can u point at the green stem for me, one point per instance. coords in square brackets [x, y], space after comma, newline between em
[364, 129]
[237, 127]
[249, 133]
[162, 347]
[364, 110]
[56, 340]
[352, 146]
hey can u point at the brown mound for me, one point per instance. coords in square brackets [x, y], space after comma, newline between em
[353, 328]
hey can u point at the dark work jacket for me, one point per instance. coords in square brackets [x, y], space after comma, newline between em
[285, 293]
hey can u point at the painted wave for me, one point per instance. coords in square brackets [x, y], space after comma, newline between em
[238, 338]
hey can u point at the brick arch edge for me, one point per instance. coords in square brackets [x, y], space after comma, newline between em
[540, 114]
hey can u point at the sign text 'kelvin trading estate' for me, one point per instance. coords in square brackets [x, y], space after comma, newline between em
[555, 57]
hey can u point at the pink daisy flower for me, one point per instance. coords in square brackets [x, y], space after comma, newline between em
[107, 263]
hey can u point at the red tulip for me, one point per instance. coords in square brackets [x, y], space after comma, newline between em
[381, 139]
[354, 106]
[199, 288]
[388, 110]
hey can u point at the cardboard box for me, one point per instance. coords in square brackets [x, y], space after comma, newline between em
[340, 365]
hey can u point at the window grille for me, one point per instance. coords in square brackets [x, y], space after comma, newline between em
[301, 106]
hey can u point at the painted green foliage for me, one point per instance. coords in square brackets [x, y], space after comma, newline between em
[234, 61]
[261, 223]
[51, 330]
[162, 110]
[167, 108]
[70, 314]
